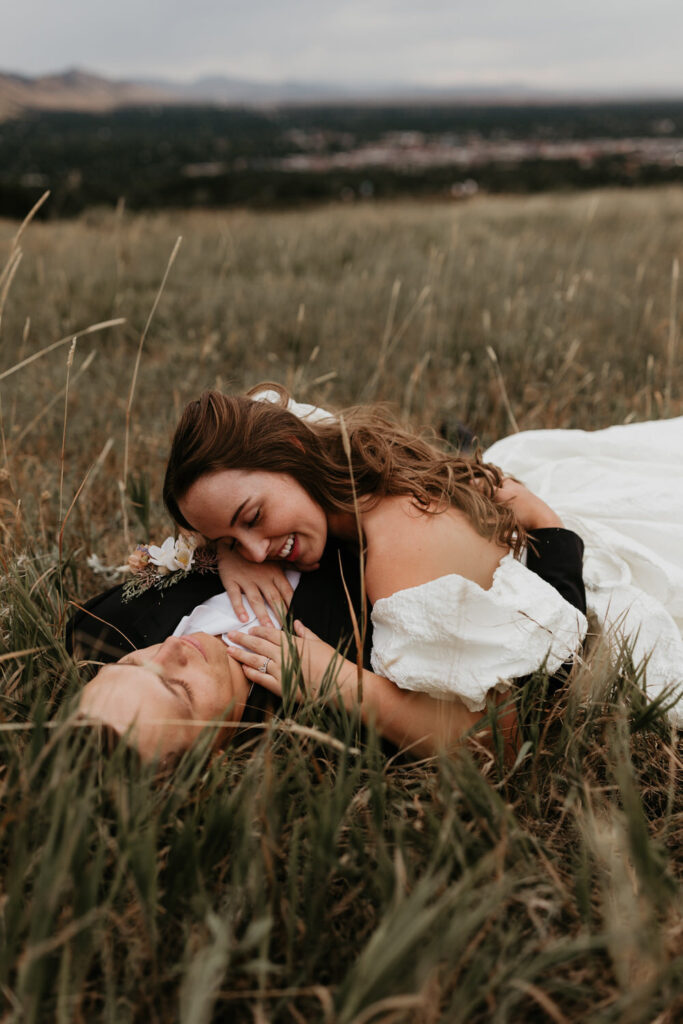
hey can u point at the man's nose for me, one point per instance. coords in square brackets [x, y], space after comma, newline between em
[172, 651]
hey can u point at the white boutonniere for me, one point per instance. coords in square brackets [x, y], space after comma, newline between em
[152, 565]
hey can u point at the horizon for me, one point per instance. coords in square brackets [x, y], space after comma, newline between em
[382, 89]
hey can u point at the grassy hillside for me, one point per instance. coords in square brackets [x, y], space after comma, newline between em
[301, 879]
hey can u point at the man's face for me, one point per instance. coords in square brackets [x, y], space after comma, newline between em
[163, 693]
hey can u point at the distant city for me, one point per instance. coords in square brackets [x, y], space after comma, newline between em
[93, 141]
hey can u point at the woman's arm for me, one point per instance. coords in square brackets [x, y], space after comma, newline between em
[553, 553]
[412, 721]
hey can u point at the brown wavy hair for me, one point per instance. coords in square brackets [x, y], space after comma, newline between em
[363, 447]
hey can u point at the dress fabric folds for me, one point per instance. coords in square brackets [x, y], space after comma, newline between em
[621, 491]
[451, 638]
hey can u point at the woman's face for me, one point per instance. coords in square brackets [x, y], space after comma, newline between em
[163, 692]
[261, 515]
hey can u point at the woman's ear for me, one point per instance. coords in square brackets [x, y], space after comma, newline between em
[299, 444]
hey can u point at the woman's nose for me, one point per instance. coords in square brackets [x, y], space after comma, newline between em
[254, 549]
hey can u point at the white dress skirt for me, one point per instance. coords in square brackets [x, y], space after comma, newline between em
[621, 490]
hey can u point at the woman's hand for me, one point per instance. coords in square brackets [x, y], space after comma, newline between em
[259, 582]
[531, 512]
[262, 661]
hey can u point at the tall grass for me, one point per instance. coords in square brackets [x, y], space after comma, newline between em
[296, 877]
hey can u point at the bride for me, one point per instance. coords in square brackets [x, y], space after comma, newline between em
[456, 614]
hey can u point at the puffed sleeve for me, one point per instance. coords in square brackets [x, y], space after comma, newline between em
[449, 637]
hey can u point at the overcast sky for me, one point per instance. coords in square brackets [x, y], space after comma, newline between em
[565, 44]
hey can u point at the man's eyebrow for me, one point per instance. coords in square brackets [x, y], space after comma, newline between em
[169, 683]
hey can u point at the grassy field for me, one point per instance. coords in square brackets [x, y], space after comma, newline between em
[302, 879]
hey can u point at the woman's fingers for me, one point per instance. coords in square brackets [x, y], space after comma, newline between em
[262, 661]
[303, 631]
[258, 605]
[284, 588]
[260, 654]
[278, 605]
[261, 642]
[235, 595]
[267, 632]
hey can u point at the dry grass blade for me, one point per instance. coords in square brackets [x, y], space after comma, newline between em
[542, 999]
[91, 470]
[62, 454]
[14, 258]
[6, 279]
[131, 393]
[74, 336]
[503, 390]
[391, 1005]
[359, 634]
[391, 341]
[87, 362]
[11, 655]
[29, 217]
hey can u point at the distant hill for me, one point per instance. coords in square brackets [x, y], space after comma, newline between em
[72, 90]
[80, 90]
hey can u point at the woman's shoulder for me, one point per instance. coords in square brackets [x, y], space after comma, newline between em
[407, 547]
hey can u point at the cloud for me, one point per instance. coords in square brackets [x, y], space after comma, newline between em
[596, 42]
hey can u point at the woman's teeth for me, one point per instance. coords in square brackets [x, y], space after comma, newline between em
[286, 548]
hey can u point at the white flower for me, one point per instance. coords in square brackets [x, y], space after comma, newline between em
[164, 556]
[172, 555]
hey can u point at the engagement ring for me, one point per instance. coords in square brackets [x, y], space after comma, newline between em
[264, 666]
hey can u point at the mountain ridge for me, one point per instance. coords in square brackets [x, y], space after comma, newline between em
[79, 89]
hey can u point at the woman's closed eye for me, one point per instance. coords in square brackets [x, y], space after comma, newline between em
[249, 523]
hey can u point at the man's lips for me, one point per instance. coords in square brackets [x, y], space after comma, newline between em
[196, 644]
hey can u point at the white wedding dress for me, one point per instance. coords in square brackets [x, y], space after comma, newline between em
[621, 490]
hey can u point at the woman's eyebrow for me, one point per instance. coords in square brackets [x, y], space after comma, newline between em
[236, 515]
